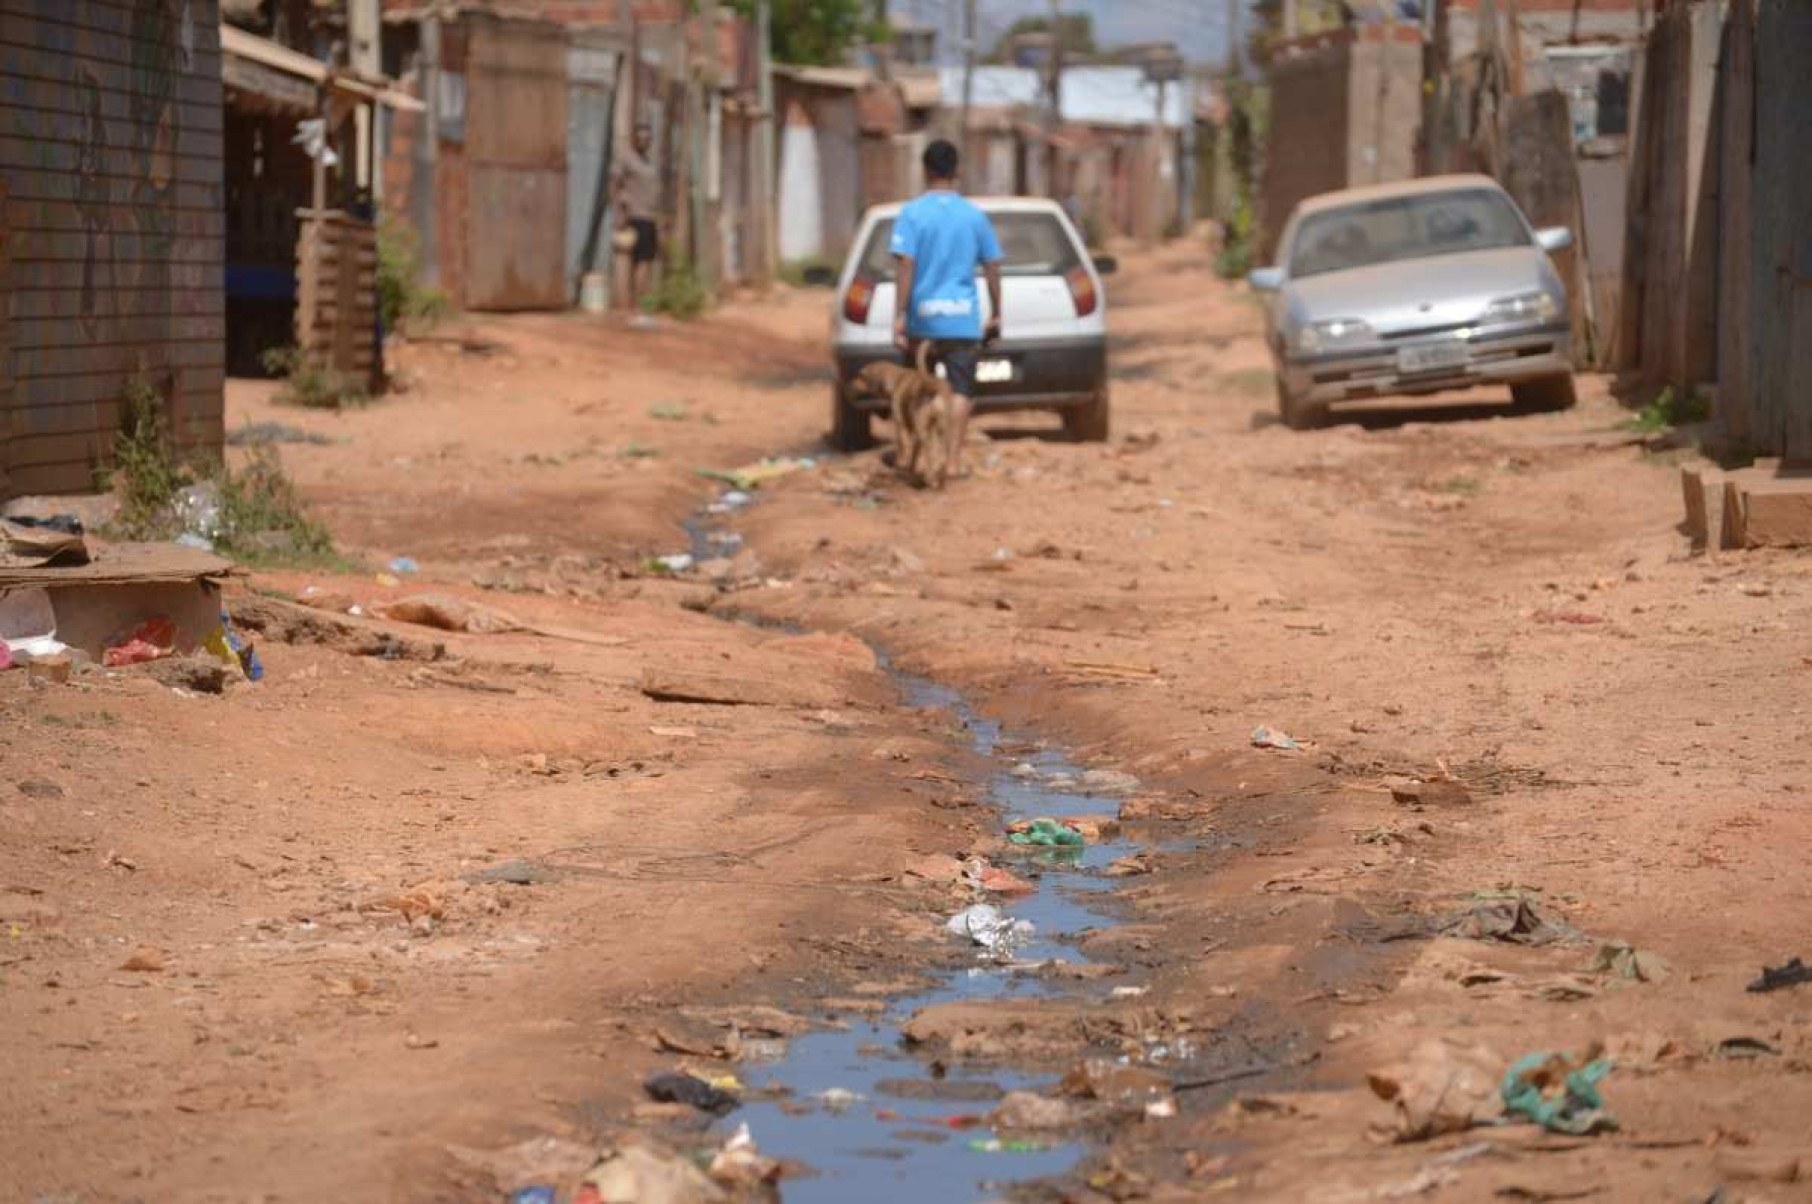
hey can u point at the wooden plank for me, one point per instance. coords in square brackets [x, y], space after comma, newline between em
[1778, 514]
[1703, 489]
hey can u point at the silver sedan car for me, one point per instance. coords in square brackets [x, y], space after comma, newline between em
[1417, 287]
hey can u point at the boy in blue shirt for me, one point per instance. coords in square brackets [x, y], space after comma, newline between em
[939, 241]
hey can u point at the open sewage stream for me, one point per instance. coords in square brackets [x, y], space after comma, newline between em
[871, 1120]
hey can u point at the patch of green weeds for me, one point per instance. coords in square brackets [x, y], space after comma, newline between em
[403, 300]
[669, 411]
[315, 388]
[680, 293]
[259, 516]
[1462, 485]
[639, 451]
[1670, 409]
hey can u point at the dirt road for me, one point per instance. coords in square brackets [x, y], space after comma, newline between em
[350, 933]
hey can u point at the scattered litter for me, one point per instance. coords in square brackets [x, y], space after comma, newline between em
[677, 562]
[754, 476]
[741, 1163]
[1045, 833]
[402, 566]
[1129, 992]
[986, 926]
[838, 1099]
[26, 619]
[198, 509]
[539, 1193]
[642, 1175]
[447, 613]
[1442, 1087]
[1626, 961]
[1560, 1093]
[151, 640]
[672, 1088]
[996, 1145]
[1518, 921]
[1266, 737]
[1741, 1047]
[1775, 978]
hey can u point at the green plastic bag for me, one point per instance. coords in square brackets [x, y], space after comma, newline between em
[1578, 1109]
[1048, 833]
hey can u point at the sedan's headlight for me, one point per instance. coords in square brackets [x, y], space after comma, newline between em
[1538, 306]
[1332, 335]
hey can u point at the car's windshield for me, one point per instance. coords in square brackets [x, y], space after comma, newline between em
[1405, 227]
[1035, 244]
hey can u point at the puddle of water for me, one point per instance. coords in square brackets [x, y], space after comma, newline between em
[891, 1146]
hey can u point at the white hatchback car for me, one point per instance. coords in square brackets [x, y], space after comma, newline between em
[1052, 353]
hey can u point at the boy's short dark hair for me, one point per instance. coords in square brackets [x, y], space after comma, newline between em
[942, 160]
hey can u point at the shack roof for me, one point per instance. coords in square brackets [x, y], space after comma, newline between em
[1091, 95]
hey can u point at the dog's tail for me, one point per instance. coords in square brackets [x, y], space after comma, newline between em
[925, 356]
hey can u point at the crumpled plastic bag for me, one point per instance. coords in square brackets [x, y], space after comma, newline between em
[151, 640]
[994, 931]
[1560, 1093]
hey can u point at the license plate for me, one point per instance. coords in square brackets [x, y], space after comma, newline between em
[1436, 357]
[994, 372]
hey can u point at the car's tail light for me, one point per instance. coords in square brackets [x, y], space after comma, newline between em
[1082, 291]
[858, 299]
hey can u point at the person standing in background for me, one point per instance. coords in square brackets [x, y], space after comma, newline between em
[636, 194]
[939, 242]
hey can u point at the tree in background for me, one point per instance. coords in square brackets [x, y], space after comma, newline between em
[818, 32]
[1076, 34]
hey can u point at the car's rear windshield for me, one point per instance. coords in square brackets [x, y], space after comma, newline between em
[1035, 244]
[1406, 227]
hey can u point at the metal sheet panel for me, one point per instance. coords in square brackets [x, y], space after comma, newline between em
[110, 154]
[591, 87]
[516, 135]
[517, 247]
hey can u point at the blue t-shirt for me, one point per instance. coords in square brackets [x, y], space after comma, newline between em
[947, 238]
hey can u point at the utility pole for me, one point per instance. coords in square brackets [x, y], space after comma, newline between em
[425, 185]
[1289, 19]
[766, 203]
[962, 137]
[1054, 92]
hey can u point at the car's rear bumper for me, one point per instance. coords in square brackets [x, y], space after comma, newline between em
[1500, 358]
[1047, 373]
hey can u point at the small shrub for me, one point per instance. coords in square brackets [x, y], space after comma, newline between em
[258, 515]
[680, 293]
[1239, 247]
[146, 474]
[304, 384]
[1670, 409]
[402, 297]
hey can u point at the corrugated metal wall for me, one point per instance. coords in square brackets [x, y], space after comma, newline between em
[110, 154]
[516, 133]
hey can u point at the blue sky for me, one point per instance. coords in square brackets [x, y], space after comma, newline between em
[1198, 26]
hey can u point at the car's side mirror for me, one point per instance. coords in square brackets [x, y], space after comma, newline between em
[1553, 238]
[1106, 265]
[1265, 280]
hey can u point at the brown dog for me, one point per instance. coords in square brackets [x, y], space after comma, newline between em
[922, 405]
